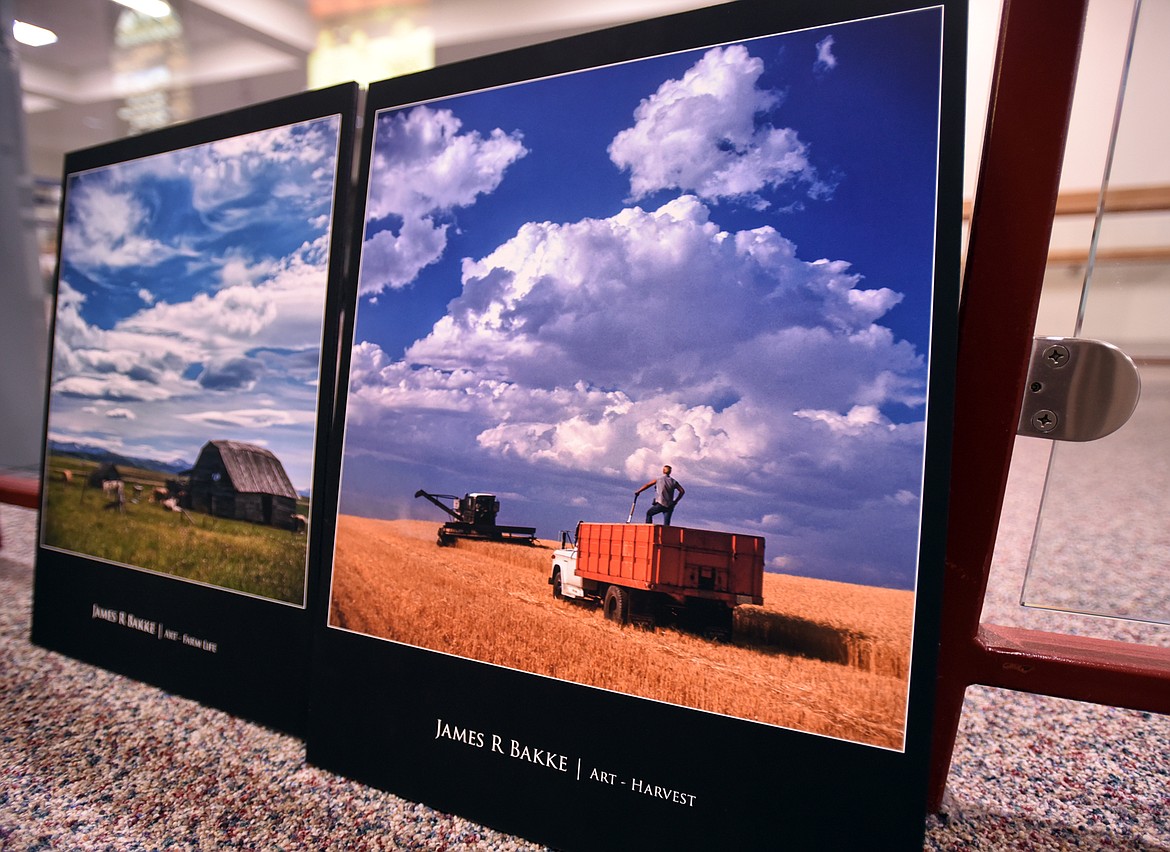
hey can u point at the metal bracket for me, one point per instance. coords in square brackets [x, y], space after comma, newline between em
[1077, 390]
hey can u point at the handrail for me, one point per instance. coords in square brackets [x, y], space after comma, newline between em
[20, 489]
[1132, 199]
[1135, 199]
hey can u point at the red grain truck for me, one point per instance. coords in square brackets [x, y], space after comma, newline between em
[648, 573]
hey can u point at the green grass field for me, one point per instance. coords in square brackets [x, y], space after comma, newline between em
[252, 558]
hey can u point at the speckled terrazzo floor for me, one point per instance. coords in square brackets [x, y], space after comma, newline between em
[90, 760]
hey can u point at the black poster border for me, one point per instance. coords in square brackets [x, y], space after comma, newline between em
[244, 654]
[580, 767]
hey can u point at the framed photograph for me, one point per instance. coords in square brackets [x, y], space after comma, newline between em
[642, 445]
[191, 389]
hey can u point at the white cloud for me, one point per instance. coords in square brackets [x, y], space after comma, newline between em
[251, 418]
[394, 260]
[426, 168]
[825, 60]
[426, 164]
[107, 228]
[266, 303]
[857, 420]
[113, 387]
[700, 134]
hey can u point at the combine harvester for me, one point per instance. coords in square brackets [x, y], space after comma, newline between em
[474, 516]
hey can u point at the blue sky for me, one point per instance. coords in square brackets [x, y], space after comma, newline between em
[719, 259]
[191, 298]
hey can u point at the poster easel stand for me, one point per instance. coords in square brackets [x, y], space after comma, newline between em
[1011, 225]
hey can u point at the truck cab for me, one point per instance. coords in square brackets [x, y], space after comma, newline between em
[564, 579]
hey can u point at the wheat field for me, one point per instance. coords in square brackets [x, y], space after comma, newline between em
[823, 657]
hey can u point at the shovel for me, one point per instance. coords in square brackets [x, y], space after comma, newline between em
[632, 505]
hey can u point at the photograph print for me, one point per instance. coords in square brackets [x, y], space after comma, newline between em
[187, 352]
[715, 266]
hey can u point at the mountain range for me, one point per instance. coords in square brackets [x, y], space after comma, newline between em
[103, 456]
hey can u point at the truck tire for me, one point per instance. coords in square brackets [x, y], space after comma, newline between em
[617, 604]
[556, 584]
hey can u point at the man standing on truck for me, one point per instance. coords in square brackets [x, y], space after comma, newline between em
[665, 499]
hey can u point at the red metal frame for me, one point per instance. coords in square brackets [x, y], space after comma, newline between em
[20, 491]
[1039, 46]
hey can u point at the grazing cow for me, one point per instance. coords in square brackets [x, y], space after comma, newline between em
[160, 494]
[115, 491]
[299, 523]
[67, 476]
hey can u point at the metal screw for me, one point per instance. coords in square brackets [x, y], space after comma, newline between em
[1044, 420]
[1036, 387]
[1057, 355]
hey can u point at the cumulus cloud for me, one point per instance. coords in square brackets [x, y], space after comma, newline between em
[605, 346]
[652, 299]
[701, 134]
[393, 260]
[426, 168]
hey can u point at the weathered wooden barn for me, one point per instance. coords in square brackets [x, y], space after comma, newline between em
[232, 479]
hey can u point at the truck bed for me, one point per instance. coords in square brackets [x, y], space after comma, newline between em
[679, 561]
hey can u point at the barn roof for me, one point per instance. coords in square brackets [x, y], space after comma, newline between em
[253, 469]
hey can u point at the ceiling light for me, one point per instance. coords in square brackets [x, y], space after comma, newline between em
[150, 8]
[32, 35]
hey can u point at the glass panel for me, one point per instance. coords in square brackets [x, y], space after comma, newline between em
[1102, 542]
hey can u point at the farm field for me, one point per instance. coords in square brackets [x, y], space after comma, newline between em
[822, 657]
[235, 555]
